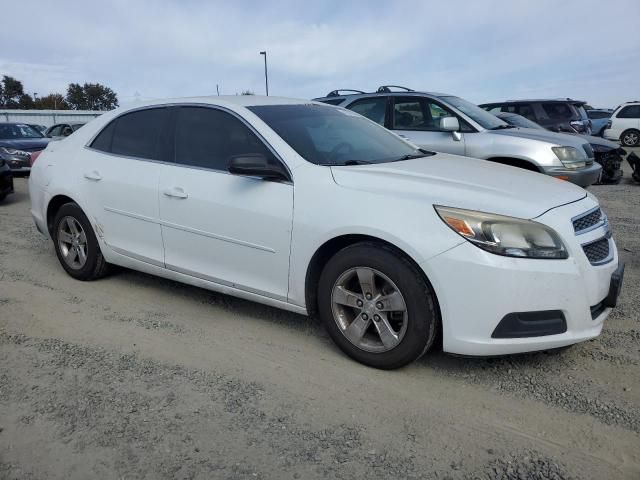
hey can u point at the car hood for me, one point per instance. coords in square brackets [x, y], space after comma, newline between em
[462, 182]
[601, 142]
[26, 144]
[561, 139]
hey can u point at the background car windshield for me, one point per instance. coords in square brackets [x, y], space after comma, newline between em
[18, 130]
[332, 136]
[477, 114]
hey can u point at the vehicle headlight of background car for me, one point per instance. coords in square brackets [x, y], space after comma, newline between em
[570, 157]
[508, 236]
[13, 154]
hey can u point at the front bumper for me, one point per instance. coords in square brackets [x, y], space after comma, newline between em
[476, 290]
[582, 177]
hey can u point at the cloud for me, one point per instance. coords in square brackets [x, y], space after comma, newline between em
[481, 50]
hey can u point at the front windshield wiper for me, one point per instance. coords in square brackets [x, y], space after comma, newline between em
[353, 162]
[502, 127]
[412, 156]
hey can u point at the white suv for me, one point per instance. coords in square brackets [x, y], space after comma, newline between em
[314, 208]
[624, 125]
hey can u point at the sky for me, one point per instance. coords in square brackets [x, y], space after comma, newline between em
[484, 50]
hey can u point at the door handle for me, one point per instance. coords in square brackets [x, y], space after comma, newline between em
[93, 175]
[175, 192]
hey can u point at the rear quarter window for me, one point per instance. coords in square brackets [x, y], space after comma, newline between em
[630, 111]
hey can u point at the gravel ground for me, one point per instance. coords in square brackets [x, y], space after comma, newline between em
[138, 377]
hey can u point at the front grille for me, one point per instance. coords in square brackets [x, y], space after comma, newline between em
[597, 251]
[587, 220]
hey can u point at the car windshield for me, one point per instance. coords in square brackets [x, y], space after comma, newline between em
[12, 131]
[475, 113]
[327, 135]
[518, 121]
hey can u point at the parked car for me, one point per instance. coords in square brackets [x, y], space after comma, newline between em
[624, 125]
[17, 141]
[557, 115]
[6, 180]
[446, 123]
[599, 120]
[62, 130]
[608, 154]
[313, 208]
[41, 128]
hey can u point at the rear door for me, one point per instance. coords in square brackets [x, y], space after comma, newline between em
[120, 183]
[418, 120]
[228, 229]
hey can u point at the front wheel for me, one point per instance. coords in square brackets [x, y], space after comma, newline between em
[376, 306]
[630, 138]
[76, 245]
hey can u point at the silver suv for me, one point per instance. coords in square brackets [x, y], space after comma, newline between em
[446, 123]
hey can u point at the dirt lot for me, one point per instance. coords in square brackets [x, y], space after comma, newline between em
[138, 377]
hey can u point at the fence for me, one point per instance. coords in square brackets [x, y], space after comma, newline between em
[48, 117]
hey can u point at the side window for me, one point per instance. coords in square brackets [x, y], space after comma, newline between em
[137, 134]
[56, 131]
[526, 111]
[408, 115]
[103, 141]
[558, 111]
[495, 109]
[208, 138]
[630, 111]
[372, 108]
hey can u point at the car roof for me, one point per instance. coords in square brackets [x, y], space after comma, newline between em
[546, 100]
[408, 93]
[223, 100]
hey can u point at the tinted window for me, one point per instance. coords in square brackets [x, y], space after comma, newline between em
[559, 111]
[595, 115]
[56, 131]
[333, 136]
[526, 111]
[103, 141]
[208, 138]
[372, 108]
[630, 111]
[136, 134]
[418, 114]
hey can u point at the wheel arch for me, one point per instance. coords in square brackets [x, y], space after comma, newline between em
[333, 246]
[53, 206]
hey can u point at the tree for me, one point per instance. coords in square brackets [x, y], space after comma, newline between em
[91, 96]
[53, 101]
[25, 102]
[247, 92]
[12, 91]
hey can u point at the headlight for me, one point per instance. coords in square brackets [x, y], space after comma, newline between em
[569, 156]
[12, 152]
[508, 236]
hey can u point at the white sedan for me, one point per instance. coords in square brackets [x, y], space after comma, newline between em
[315, 209]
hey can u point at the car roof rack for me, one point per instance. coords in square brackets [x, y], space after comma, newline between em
[336, 93]
[387, 88]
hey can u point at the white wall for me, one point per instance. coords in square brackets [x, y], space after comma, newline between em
[48, 117]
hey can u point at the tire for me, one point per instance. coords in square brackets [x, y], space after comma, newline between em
[3, 196]
[414, 328]
[90, 265]
[630, 138]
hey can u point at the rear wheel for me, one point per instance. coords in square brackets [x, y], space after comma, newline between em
[630, 138]
[376, 306]
[76, 245]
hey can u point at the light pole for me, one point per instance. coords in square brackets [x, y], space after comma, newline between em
[266, 76]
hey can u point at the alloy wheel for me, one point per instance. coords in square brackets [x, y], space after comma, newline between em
[369, 309]
[72, 242]
[630, 139]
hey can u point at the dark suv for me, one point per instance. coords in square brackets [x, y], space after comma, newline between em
[560, 115]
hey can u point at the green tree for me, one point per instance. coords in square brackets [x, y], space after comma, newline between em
[91, 96]
[25, 102]
[53, 101]
[12, 91]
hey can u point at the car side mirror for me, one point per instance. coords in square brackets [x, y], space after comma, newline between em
[449, 124]
[257, 165]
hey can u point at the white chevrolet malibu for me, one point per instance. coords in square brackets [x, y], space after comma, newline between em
[315, 209]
